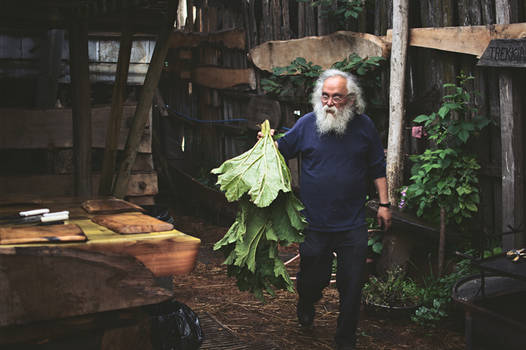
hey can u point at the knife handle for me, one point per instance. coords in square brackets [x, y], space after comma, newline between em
[34, 212]
[53, 218]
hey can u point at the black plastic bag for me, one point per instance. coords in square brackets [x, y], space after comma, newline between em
[175, 327]
[159, 212]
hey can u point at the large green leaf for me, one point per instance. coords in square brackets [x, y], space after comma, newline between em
[261, 172]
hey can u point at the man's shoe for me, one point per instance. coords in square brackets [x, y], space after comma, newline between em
[305, 313]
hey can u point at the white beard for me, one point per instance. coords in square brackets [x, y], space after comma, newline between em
[332, 119]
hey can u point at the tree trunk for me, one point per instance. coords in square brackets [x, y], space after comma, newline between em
[395, 161]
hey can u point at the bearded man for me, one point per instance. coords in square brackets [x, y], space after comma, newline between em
[340, 150]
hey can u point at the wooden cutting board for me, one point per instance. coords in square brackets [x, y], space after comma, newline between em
[41, 234]
[128, 223]
[109, 206]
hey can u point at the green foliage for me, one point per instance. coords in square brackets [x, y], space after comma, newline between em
[446, 176]
[268, 216]
[436, 293]
[374, 241]
[339, 10]
[297, 80]
[261, 172]
[394, 289]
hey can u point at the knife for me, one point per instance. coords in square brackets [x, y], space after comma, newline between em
[44, 219]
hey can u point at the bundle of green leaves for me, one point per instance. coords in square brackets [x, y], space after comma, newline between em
[268, 216]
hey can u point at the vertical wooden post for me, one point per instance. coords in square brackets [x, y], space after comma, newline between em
[81, 109]
[189, 25]
[114, 123]
[50, 56]
[395, 159]
[145, 102]
[511, 143]
[397, 245]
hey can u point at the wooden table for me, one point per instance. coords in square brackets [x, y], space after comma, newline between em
[42, 285]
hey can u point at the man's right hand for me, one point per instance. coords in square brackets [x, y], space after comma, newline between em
[260, 134]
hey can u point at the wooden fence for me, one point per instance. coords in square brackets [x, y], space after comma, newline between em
[194, 140]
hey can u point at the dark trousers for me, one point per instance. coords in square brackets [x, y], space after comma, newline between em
[316, 256]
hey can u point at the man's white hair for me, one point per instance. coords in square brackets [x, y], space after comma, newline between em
[352, 88]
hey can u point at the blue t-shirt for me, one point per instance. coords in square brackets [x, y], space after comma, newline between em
[335, 170]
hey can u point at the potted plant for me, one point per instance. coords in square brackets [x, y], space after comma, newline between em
[444, 181]
[392, 294]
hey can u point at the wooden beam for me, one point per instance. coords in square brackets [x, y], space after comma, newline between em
[145, 102]
[511, 131]
[81, 96]
[52, 128]
[232, 39]
[114, 122]
[471, 40]
[140, 184]
[320, 50]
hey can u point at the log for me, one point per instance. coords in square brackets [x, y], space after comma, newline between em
[51, 128]
[223, 78]
[232, 39]
[320, 50]
[52, 282]
[472, 40]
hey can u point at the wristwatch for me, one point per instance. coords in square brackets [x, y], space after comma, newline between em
[386, 205]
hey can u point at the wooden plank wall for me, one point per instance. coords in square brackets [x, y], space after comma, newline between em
[36, 147]
[264, 20]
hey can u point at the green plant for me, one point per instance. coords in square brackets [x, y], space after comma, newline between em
[269, 215]
[444, 180]
[297, 80]
[374, 241]
[436, 293]
[339, 10]
[394, 289]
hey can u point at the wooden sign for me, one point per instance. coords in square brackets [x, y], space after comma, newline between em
[504, 53]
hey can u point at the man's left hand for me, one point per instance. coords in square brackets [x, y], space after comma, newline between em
[384, 217]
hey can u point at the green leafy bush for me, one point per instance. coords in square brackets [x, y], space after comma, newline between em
[445, 177]
[297, 80]
[436, 293]
[394, 289]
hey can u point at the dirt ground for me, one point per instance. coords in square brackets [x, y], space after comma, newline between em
[274, 324]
